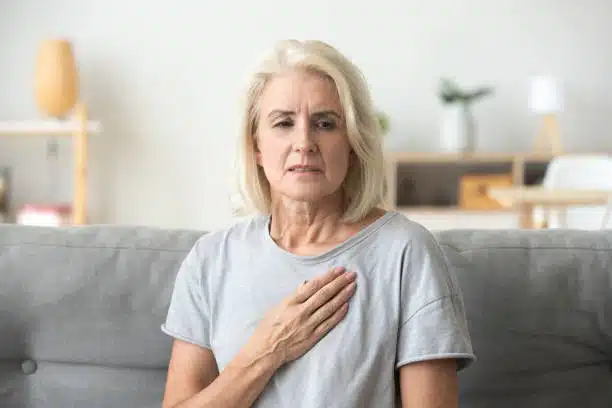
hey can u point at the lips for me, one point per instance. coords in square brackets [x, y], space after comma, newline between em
[301, 168]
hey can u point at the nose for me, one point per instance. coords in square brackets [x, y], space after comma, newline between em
[304, 141]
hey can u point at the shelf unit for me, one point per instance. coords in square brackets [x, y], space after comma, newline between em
[78, 128]
[429, 183]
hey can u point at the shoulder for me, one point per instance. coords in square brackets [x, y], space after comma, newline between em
[423, 262]
[216, 251]
[400, 230]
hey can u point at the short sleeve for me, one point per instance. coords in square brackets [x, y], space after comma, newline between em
[188, 314]
[433, 324]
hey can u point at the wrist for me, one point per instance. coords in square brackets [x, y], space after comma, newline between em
[262, 362]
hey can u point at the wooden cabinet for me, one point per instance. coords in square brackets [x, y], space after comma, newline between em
[435, 188]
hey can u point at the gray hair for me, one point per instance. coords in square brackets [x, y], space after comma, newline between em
[366, 182]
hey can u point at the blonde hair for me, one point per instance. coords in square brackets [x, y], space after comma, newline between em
[365, 184]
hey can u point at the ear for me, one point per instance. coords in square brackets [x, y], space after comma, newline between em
[352, 156]
[256, 151]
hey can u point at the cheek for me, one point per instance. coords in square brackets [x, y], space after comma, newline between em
[271, 154]
[339, 156]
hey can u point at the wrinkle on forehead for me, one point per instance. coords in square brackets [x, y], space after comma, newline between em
[296, 91]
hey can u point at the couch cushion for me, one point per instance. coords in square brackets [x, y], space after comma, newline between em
[80, 312]
[539, 305]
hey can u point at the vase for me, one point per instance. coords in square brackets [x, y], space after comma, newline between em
[56, 77]
[458, 128]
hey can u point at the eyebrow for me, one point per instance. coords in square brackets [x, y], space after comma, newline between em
[280, 112]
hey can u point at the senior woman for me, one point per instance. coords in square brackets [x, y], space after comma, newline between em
[322, 298]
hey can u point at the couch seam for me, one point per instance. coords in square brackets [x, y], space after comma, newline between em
[535, 248]
[85, 363]
[93, 247]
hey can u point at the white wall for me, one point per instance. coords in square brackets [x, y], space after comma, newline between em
[164, 78]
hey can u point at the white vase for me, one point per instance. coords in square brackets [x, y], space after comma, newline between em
[457, 130]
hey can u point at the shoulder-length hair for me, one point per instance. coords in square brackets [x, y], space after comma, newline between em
[366, 182]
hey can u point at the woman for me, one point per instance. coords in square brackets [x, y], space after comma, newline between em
[323, 299]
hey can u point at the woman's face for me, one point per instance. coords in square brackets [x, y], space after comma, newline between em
[302, 144]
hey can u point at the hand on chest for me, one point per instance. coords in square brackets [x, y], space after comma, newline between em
[242, 298]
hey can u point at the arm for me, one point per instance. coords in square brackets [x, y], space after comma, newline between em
[433, 340]
[429, 384]
[194, 381]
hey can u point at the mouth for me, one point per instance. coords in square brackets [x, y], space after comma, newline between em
[304, 169]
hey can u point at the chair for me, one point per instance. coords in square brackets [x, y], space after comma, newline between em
[587, 172]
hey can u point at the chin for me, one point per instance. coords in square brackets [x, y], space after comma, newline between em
[308, 194]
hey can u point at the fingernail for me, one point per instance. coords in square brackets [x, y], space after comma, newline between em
[351, 275]
[340, 269]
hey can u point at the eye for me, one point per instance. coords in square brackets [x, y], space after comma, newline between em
[326, 124]
[284, 124]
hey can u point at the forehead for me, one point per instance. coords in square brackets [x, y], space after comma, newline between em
[297, 90]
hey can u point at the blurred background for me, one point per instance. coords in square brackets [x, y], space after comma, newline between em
[162, 83]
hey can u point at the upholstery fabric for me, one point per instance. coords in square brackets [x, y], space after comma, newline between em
[540, 310]
[81, 308]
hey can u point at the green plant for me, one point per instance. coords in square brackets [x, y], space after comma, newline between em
[383, 122]
[450, 92]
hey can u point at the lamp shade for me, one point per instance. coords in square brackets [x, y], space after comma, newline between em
[56, 82]
[545, 95]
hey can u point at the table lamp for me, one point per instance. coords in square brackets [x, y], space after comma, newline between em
[56, 78]
[545, 100]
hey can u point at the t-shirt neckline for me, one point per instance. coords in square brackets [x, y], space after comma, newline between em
[331, 253]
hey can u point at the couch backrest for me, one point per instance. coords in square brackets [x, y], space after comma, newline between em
[80, 310]
[540, 315]
[80, 314]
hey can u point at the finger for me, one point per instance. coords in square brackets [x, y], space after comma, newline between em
[309, 288]
[327, 292]
[328, 309]
[325, 327]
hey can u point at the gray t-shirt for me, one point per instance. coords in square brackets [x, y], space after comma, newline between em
[407, 308]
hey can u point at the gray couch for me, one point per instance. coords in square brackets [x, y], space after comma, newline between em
[80, 310]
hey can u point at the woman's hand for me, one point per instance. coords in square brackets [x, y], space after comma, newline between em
[289, 330]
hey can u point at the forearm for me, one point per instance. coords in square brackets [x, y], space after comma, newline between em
[238, 385]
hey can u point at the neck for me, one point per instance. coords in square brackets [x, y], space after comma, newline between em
[298, 224]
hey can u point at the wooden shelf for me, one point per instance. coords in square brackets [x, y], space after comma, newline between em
[480, 157]
[45, 128]
[79, 127]
[430, 182]
[449, 210]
